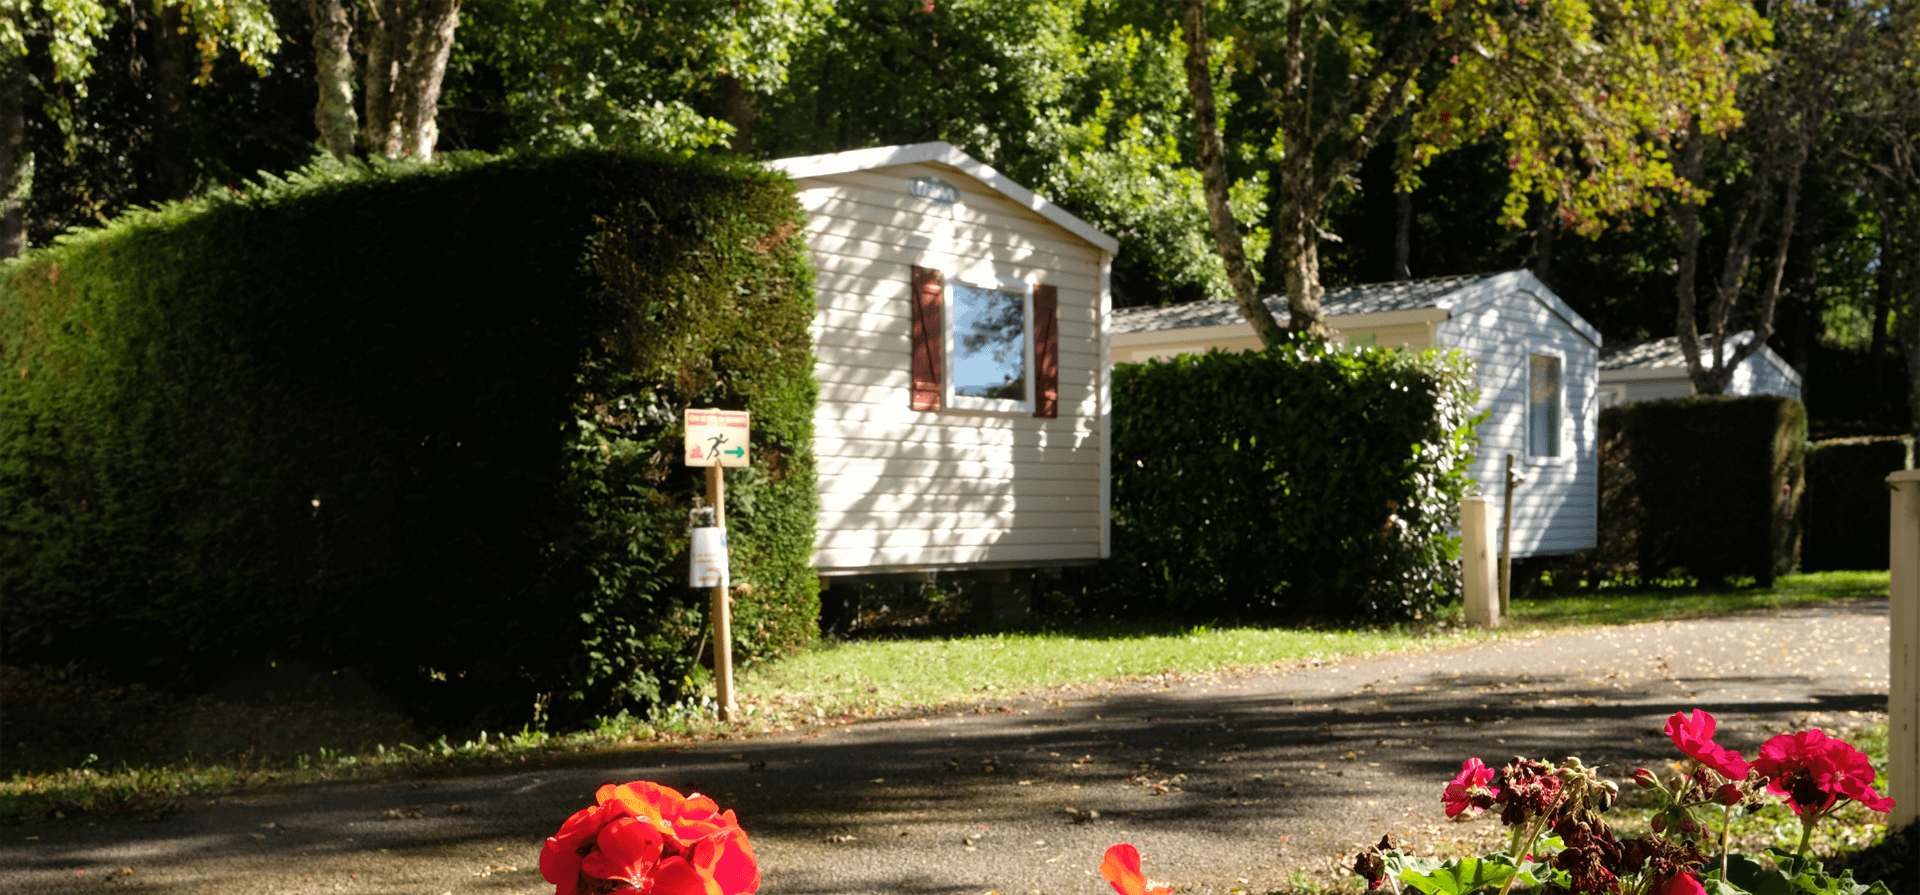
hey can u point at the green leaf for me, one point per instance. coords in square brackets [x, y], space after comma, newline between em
[1458, 876]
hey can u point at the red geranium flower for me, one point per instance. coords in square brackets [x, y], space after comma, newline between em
[649, 838]
[1814, 770]
[1469, 791]
[1694, 736]
[1122, 870]
[1683, 884]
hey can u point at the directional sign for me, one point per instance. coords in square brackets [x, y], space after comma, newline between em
[716, 437]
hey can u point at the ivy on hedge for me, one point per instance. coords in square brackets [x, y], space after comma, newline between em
[1707, 487]
[1302, 481]
[422, 419]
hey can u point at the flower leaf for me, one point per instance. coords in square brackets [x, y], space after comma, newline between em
[1458, 876]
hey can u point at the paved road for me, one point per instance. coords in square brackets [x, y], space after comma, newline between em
[1227, 780]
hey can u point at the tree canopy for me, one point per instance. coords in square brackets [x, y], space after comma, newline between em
[1757, 155]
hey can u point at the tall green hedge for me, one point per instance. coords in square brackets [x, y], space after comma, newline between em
[1707, 487]
[1847, 506]
[1302, 481]
[420, 419]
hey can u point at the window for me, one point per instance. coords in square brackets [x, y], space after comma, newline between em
[989, 347]
[1543, 405]
[978, 346]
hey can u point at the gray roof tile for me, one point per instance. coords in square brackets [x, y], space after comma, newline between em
[1655, 353]
[1406, 295]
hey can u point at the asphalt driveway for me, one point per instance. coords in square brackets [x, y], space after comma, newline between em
[1229, 780]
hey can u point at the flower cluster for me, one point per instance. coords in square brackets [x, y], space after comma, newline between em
[1815, 773]
[648, 838]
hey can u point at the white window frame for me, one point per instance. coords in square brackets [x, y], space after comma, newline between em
[954, 401]
[1526, 412]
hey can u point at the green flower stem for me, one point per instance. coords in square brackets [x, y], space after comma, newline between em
[1726, 834]
[1806, 837]
[1520, 855]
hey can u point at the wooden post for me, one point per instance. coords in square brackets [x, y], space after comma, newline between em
[1506, 543]
[721, 613]
[1479, 586]
[1903, 658]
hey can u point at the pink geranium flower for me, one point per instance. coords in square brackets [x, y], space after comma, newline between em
[1694, 736]
[1469, 791]
[1814, 770]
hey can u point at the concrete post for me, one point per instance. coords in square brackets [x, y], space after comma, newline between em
[1478, 563]
[1903, 665]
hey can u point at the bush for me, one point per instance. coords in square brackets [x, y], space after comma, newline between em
[423, 420]
[1708, 488]
[1847, 507]
[1300, 482]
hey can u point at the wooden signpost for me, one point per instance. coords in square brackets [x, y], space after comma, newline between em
[717, 439]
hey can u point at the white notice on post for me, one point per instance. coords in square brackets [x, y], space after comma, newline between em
[716, 437]
[709, 556]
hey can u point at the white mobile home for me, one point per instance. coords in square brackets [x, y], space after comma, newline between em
[1657, 368]
[961, 343]
[1536, 364]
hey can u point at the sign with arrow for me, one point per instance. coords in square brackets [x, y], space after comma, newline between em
[716, 437]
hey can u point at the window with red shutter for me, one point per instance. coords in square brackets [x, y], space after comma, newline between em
[991, 345]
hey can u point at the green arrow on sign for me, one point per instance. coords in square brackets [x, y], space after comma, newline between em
[737, 452]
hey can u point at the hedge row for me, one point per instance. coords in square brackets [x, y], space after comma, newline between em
[1301, 482]
[423, 420]
[1847, 506]
[1709, 488]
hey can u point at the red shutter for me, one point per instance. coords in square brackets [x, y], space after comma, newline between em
[929, 298]
[1046, 351]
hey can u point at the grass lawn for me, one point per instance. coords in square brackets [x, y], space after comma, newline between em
[836, 679]
[864, 676]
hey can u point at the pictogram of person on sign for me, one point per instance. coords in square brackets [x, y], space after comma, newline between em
[717, 440]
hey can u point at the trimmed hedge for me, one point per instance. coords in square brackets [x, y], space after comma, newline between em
[1706, 487]
[1848, 511]
[419, 419]
[1300, 482]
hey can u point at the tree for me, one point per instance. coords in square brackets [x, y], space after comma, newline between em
[407, 43]
[47, 48]
[674, 73]
[1788, 111]
[1886, 122]
[1572, 88]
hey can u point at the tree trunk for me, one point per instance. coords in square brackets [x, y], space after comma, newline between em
[380, 137]
[1402, 234]
[1213, 177]
[408, 43]
[174, 56]
[1403, 215]
[1686, 319]
[737, 108]
[15, 161]
[1542, 265]
[333, 73]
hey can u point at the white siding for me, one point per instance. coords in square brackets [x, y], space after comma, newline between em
[1765, 373]
[1557, 509]
[902, 489]
[1659, 389]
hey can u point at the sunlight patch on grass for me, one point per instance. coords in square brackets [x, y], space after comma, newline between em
[1626, 605]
